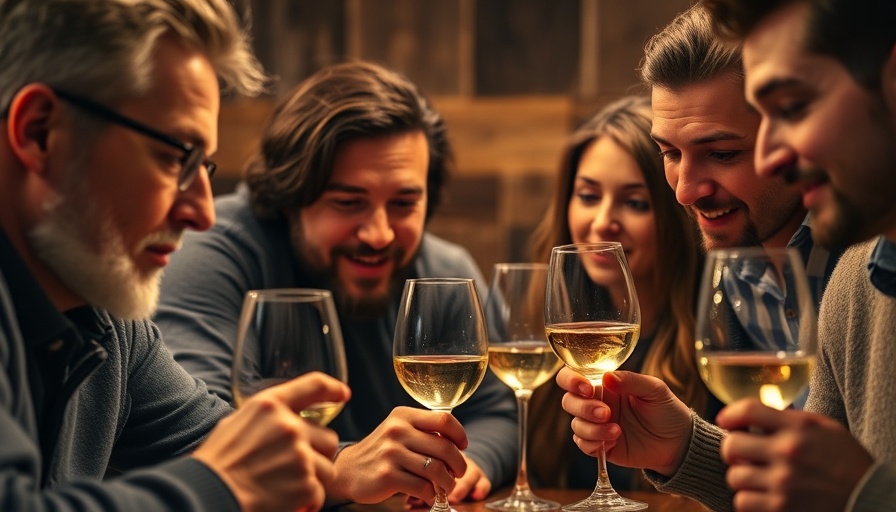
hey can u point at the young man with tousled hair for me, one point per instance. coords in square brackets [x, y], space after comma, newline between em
[822, 74]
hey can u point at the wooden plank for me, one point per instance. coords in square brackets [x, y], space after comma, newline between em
[492, 135]
[239, 132]
[506, 135]
[526, 46]
[420, 39]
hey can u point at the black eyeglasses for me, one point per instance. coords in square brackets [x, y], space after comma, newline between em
[193, 155]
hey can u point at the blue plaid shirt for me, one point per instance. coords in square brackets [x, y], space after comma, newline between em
[882, 267]
[765, 311]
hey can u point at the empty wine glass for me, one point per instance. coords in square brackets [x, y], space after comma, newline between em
[519, 355]
[440, 350]
[282, 334]
[593, 321]
[756, 325]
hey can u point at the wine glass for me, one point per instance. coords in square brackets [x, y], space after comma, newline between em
[756, 326]
[519, 354]
[593, 321]
[282, 334]
[440, 352]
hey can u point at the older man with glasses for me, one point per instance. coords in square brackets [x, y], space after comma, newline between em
[111, 111]
[193, 157]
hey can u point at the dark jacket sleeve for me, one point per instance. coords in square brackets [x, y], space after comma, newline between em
[97, 417]
[199, 316]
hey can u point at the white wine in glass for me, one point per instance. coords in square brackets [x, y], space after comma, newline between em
[593, 320]
[439, 382]
[284, 333]
[756, 325]
[519, 355]
[440, 349]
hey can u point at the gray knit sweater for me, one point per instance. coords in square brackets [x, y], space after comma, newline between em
[857, 333]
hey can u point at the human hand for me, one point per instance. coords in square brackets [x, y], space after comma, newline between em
[473, 485]
[392, 458]
[269, 457]
[640, 420]
[790, 464]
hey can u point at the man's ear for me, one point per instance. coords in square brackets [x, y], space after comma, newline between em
[33, 112]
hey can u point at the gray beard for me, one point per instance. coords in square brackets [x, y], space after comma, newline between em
[106, 278]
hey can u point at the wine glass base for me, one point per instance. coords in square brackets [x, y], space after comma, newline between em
[523, 502]
[605, 502]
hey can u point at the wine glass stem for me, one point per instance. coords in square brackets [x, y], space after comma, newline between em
[522, 474]
[441, 502]
[603, 478]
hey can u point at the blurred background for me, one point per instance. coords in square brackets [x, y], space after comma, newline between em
[512, 78]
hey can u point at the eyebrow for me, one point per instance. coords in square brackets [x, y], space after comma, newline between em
[342, 187]
[627, 186]
[773, 85]
[714, 136]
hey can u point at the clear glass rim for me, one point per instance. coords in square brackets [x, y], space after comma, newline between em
[590, 246]
[520, 266]
[439, 280]
[756, 250]
[276, 294]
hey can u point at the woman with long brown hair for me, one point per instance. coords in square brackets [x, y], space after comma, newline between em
[611, 187]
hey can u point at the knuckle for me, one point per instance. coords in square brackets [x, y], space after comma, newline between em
[263, 402]
[443, 419]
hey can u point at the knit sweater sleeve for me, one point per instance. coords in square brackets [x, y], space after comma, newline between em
[857, 330]
[702, 473]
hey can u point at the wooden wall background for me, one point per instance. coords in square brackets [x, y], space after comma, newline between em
[511, 77]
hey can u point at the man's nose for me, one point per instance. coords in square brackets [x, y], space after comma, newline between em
[376, 231]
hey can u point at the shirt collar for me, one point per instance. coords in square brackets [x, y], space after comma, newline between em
[882, 267]
[39, 320]
[803, 236]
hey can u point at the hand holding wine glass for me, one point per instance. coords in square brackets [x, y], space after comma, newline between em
[440, 350]
[288, 348]
[284, 333]
[520, 356]
[592, 319]
[756, 325]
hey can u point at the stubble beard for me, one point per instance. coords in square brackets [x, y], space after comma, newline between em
[750, 236]
[708, 242]
[848, 225]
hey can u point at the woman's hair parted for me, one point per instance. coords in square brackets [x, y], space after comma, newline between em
[671, 355]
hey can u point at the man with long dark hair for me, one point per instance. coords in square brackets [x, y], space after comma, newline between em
[349, 169]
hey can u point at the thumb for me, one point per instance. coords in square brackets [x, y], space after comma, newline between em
[309, 388]
[643, 387]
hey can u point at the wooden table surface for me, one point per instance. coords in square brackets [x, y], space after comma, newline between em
[657, 502]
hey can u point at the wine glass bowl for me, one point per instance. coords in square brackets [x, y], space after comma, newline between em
[284, 333]
[519, 355]
[440, 349]
[756, 325]
[592, 320]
